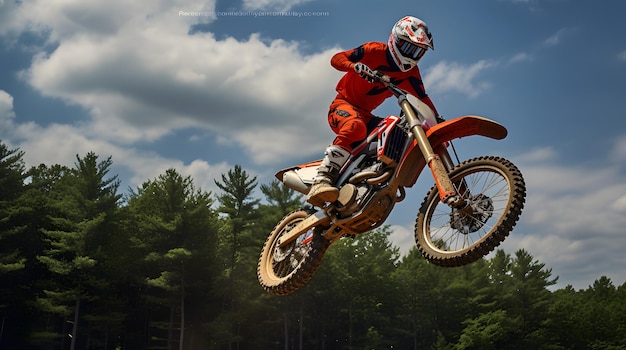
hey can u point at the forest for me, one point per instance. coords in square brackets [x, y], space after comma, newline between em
[170, 266]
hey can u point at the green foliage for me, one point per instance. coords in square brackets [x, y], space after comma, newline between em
[12, 172]
[237, 201]
[173, 239]
[174, 265]
[12, 176]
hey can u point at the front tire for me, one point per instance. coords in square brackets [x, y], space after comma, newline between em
[282, 271]
[494, 191]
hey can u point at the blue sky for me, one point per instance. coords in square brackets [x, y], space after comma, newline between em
[155, 88]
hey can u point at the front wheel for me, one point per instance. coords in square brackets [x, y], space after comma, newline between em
[494, 192]
[282, 271]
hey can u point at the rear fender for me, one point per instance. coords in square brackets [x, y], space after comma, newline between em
[438, 135]
[299, 177]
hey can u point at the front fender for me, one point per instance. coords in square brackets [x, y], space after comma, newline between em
[465, 126]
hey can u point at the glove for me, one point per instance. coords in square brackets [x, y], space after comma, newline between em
[364, 71]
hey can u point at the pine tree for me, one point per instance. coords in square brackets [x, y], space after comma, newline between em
[84, 205]
[175, 239]
[12, 256]
[12, 176]
[240, 208]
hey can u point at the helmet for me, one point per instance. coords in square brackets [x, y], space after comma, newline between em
[409, 41]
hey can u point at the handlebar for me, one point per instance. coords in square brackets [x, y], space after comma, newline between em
[374, 74]
[408, 103]
[385, 80]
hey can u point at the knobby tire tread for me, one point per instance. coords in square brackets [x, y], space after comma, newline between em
[303, 273]
[496, 235]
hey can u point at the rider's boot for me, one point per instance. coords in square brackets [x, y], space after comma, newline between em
[323, 189]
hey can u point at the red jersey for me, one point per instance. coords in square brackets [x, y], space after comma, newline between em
[365, 95]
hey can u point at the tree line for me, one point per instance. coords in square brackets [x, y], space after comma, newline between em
[170, 266]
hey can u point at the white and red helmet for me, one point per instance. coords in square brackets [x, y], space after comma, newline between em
[409, 41]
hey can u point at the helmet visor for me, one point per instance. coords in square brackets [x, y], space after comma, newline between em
[411, 50]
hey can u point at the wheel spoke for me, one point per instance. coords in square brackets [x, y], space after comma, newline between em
[283, 270]
[493, 190]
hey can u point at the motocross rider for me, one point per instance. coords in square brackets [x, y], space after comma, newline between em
[350, 113]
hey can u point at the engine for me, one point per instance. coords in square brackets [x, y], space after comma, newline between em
[367, 199]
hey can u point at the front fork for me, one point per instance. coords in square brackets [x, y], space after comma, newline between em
[438, 166]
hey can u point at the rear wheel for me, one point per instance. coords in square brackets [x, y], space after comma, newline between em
[494, 191]
[282, 271]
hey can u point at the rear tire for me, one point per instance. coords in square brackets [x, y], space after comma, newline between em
[282, 271]
[495, 191]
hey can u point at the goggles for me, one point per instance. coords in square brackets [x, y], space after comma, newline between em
[410, 50]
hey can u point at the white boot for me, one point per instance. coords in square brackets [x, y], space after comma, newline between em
[323, 189]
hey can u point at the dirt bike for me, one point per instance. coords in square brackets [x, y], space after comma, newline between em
[470, 210]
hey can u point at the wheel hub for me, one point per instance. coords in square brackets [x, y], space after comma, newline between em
[474, 216]
[280, 254]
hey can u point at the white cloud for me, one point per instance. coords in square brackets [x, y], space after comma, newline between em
[574, 200]
[197, 81]
[261, 144]
[7, 14]
[402, 237]
[452, 76]
[148, 166]
[539, 154]
[619, 206]
[556, 38]
[62, 19]
[521, 57]
[60, 144]
[573, 219]
[140, 76]
[6, 106]
[7, 116]
[618, 153]
[622, 55]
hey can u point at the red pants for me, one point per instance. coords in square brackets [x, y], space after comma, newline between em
[348, 122]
